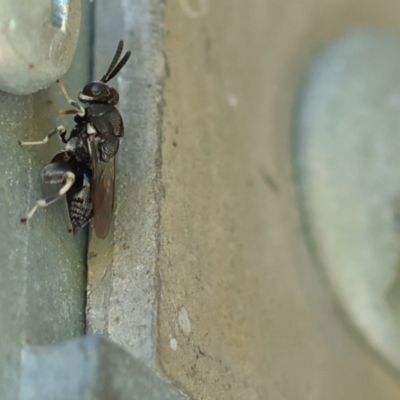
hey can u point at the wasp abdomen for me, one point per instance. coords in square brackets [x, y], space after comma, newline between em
[80, 202]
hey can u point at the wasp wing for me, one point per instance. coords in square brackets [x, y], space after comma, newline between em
[102, 191]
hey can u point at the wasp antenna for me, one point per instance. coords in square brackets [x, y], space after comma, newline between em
[114, 61]
[115, 71]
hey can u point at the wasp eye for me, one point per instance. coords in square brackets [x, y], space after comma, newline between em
[96, 89]
[93, 89]
[93, 92]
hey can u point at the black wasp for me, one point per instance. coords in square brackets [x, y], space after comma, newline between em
[85, 167]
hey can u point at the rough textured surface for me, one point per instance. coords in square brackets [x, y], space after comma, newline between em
[123, 299]
[90, 368]
[242, 314]
[42, 279]
[349, 175]
[214, 214]
[38, 42]
[109, 30]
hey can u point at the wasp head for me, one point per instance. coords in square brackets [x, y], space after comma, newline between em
[98, 92]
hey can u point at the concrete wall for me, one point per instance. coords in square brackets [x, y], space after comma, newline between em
[42, 278]
[209, 278]
[242, 312]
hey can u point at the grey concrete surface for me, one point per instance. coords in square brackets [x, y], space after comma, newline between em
[89, 368]
[42, 279]
[211, 276]
[122, 301]
[109, 29]
[243, 313]
[348, 140]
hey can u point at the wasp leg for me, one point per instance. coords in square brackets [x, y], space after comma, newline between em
[62, 112]
[68, 180]
[81, 110]
[60, 130]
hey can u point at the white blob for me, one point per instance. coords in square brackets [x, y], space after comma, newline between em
[233, 100]
[173, 344]
[184, 321]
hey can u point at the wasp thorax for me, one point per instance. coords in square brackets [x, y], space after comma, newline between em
[98, 92]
